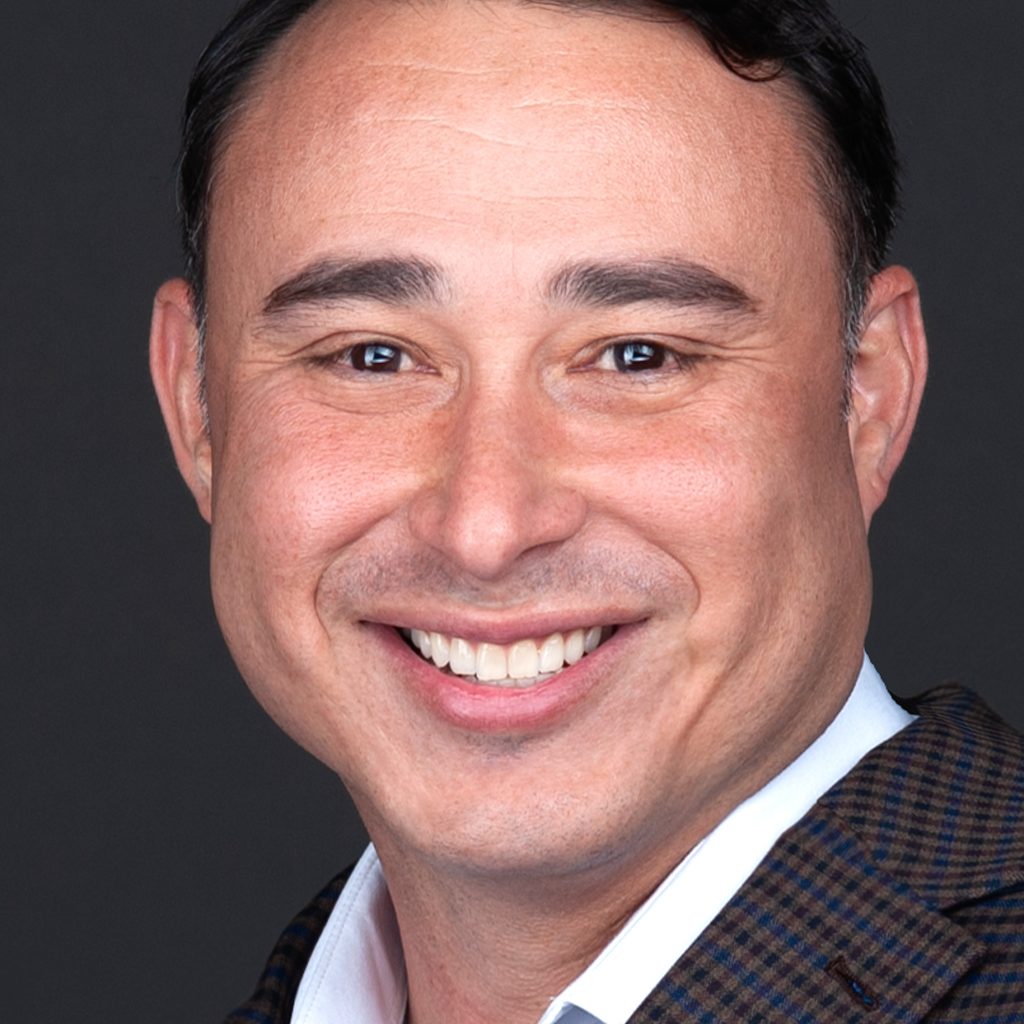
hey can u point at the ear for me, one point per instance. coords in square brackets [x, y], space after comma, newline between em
[889, 372]
[173, 344]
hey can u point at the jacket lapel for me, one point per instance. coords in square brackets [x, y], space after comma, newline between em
[817, 934]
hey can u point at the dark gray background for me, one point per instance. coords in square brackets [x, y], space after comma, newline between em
[157, 831]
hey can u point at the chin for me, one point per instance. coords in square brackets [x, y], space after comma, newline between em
[547, 839]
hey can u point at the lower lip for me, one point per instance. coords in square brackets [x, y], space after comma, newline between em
[496, 709]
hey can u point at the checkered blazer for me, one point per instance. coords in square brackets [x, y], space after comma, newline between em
[898, 898]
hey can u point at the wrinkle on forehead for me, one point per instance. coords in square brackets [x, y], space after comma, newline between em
[384, 52]
[375, 66]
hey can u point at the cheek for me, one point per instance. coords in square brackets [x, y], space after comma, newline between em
[743, 494]
[297, 480]
[295, 484]
[689, 476]
[297, 487]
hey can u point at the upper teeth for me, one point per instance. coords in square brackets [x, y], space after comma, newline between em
[508, 665]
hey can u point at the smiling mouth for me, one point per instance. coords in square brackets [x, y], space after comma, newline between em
[521, 664]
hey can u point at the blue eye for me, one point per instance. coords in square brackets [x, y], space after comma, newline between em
[636, 356]
[376, 357]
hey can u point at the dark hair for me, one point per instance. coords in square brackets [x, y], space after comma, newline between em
[799, 41]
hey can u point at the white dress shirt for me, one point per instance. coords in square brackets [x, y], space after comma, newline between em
[356, 974]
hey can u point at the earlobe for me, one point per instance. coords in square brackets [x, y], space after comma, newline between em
[172, 362]
[889, 372]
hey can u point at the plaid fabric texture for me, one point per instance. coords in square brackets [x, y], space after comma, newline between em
[898, 898]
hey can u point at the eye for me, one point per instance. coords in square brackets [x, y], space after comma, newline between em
[635, 356]
[640, 355]
[376, 357]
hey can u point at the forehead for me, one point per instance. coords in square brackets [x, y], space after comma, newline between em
[517, 126]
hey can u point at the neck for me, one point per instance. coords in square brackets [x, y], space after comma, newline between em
[480, 950]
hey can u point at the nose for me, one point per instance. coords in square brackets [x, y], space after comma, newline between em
[501, 488]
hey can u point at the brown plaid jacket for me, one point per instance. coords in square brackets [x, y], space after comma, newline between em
[899, 897]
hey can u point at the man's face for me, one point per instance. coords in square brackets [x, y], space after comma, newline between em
[525, 323]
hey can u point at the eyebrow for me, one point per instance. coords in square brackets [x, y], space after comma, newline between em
[392, 280]
[672, 282]
[410, 280]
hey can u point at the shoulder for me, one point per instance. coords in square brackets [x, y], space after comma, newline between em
[272, 1001]
[941, 804]
[941, 807]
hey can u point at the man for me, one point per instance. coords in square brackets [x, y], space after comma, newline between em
[539, 374]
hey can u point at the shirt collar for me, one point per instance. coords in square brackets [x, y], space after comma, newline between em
[356, 974]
